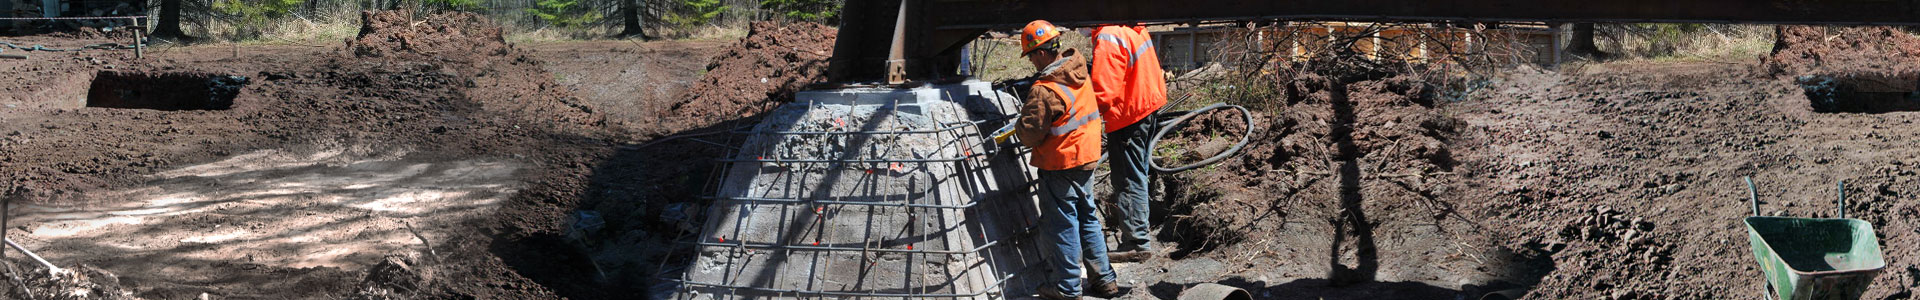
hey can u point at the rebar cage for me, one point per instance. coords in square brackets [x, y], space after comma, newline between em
[869, 192]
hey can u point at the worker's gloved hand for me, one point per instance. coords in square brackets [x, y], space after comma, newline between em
[1004, 135]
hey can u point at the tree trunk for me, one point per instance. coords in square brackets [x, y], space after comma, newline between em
[630, 12]
[169, 26]
[1581, 43]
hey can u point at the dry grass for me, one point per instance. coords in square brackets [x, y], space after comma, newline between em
[999, 58]
[310, 32]
[1684, 42]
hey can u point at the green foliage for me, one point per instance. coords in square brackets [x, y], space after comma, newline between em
[254, 15]
[824, 11]
[459, 5]
[696, 13]
[563, 13]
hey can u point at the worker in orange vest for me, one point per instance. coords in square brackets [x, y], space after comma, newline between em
[1061, 122]
[1131, 87]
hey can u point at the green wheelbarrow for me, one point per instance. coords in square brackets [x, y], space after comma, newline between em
[1814, 258]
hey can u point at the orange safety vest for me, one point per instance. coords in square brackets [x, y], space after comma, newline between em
[1074, 139]
[1126, 75]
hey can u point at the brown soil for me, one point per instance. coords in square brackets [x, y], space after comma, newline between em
[762, 70]
[1803, 50]
[1342, 194]
[1629, 176]
[396, 90]
[1617, 180]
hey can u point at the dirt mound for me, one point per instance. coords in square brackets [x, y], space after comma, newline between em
[448, 35]
[1850, 69]
[469, 60]
[764, 69]
[1801, 50]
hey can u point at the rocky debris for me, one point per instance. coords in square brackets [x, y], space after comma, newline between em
[762, 70]
[396, 277]
[80, 282]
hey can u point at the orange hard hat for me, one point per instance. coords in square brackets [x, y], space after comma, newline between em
[1037, 33]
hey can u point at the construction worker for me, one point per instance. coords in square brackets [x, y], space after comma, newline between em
[1061, 122]
[1131, 87]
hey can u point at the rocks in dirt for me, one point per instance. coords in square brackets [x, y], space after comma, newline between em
[449, 35]
[762, 70]
[80, 282]
[396, 277]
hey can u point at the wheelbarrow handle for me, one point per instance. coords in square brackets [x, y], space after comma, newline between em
[1752, 196]
[1843, 198]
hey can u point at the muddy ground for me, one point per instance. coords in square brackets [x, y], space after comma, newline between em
[398, 167]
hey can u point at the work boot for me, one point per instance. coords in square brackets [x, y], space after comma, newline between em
[1053, 293]
[1104, 290]
[1129, 256]
[1130, 253]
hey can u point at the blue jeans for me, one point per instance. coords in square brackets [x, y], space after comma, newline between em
[1127, 150]
[1071, 226]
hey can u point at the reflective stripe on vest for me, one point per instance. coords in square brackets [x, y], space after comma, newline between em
[1073, 108]
[1133, 54]
[1124, 47]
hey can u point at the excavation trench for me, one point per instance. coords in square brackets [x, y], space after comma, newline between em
[164, 91]
[1862, 93]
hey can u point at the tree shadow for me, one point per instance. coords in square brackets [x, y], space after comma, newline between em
[1351, 221]
[1322, 289]
[643, 193]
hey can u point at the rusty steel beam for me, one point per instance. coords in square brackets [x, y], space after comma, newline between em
[938, 28]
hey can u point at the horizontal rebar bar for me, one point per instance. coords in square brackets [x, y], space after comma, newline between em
[996, 285]
[949, 127]
[758, 246]
[969, 204]
[855, 161]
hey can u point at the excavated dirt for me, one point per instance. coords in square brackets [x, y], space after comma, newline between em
[443, 36]
[1616, 180]
[1628, 176]
[1801, 50]
[314, 127]
[1347, 191]
[1850, 69]
[760, 72]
